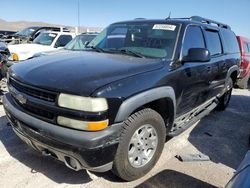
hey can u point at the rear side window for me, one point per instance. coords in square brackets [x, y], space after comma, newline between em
[230, 43]
[213, 42]
[193, 39]
[246, 47]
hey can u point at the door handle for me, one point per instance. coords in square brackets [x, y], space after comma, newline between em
[209, 69]
[224, 66]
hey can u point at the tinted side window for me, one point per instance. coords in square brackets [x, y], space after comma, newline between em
[193, 39]
[230, 43]
[213, 42]
[248, 47]
[63, 40]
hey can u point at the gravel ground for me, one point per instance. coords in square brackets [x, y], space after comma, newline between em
[223, 136]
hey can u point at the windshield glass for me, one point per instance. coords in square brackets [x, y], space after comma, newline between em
[25, 32]
[155, 40]
[78, 43]
[45, 38]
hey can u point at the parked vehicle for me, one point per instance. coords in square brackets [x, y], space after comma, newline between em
[4, 55]
[112, 105]
[241, 177]
[46, 41]
[76, 44]
[3, 33]
[79, 42]
[28, 34]
[244, 43]
[4, 49]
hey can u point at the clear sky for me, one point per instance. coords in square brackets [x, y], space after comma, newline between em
[235, 13]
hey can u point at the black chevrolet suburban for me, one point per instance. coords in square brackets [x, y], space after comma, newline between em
[112, 105]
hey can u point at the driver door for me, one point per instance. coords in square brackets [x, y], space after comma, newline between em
[195, 77]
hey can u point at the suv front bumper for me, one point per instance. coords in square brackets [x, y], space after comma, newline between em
[77, 149]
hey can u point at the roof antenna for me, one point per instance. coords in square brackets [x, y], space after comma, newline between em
[169, 15]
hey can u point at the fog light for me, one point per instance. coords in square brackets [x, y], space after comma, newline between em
[82, 125]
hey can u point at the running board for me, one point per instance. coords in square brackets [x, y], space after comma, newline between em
[178, 129]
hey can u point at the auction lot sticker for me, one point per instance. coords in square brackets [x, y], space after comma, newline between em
[167, 27]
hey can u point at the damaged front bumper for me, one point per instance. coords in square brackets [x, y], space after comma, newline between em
[77, 149]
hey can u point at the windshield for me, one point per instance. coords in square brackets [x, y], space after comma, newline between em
[155, 40]
[25, 32]
[78, 43]
[45, 38]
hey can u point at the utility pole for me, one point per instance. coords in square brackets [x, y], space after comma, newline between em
[78, 7]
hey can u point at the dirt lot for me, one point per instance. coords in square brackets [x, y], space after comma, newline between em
[223, 136]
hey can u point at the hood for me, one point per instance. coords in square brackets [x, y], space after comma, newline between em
[80, 73]
[51, 52]
[25, 51]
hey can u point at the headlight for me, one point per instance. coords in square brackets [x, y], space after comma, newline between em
[87, 104]
[82, 125]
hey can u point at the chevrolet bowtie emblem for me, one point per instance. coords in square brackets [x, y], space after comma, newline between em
[21, 98]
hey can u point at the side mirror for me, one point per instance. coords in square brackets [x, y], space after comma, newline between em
[197, 55]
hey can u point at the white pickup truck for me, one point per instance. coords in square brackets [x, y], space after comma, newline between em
[46, 41]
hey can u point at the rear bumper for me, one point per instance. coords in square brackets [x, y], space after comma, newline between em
[77, 149]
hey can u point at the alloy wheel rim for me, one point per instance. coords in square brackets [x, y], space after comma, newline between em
[142, 146]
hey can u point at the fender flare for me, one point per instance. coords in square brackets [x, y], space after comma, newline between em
[136, 101]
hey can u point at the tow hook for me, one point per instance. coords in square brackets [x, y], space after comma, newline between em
[46, 153]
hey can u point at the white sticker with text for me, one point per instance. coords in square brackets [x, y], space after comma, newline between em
[165, 27]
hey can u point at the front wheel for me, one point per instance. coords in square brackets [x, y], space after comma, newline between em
[225, 98]
[141, 143]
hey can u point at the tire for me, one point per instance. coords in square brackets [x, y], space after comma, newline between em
[134, 143]
[249, 140]
[243, 83]
[225, 98]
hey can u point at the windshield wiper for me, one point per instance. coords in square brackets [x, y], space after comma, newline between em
[131, 52]
[96, 48]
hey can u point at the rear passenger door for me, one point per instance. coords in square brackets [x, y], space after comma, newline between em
[218, 64]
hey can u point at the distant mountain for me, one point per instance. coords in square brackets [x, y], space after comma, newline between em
[18, 25]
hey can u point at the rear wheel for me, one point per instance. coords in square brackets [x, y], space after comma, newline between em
[141, 144]
[225, 98]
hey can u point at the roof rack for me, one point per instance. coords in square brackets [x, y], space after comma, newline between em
[139, 18]
[207, 21]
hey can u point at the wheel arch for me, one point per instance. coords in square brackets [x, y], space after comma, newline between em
[233, 73]
[161, 99]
